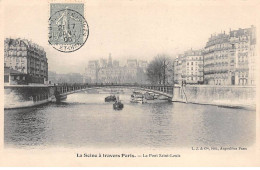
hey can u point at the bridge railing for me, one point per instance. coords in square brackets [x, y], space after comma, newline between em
[109, 84]
[66, 87]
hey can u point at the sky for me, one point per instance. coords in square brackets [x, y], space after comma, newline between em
[130, 29]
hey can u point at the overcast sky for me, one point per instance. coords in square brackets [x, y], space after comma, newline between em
[130, 29]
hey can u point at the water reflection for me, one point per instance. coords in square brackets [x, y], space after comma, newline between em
[25, 126]
[85, 120]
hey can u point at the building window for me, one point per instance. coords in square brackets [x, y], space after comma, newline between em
[6, 78]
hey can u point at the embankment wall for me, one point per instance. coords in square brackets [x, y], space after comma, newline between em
[232, 96]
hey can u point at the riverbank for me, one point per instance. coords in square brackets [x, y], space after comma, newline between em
[224, 96]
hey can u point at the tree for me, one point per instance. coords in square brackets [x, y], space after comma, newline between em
[159, 71]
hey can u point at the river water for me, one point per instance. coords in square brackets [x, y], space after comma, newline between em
[85, 120]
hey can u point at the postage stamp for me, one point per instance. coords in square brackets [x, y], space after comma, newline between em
[68, 29]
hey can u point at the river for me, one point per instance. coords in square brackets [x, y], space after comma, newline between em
[85, 120]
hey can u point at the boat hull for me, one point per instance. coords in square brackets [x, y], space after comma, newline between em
[118, 106]
[110, 99]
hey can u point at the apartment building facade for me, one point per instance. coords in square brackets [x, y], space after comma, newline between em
[229, 59]
[26, 57]
[188, 67]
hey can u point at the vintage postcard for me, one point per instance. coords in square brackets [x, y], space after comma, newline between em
[129, 83]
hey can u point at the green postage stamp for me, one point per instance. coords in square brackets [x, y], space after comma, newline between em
[68, 29]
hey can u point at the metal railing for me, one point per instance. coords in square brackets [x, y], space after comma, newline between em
[66, 87]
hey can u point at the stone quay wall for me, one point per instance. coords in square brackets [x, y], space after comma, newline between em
[229, 96]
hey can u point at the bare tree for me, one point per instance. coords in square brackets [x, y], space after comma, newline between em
[158, 71]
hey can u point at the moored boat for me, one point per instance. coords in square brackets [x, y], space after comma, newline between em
[110, 98]
[137, 100]
[137, 97]
[149, 96]
[137, 94]
[156, 96]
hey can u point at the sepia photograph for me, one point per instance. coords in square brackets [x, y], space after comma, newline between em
[129, 83]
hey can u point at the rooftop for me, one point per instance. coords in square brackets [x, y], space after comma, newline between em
[23, 42]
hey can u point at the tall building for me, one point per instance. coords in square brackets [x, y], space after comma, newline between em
[188, 67]
[65, 78]
[110, 60]
[115, 63]
[141, 72]
[112, 72]
[26, 57]
[143, 64]
[132, 63]
[103, 62]
[177, 67]
[229, 59]
[217, 60]
[252, 57]
[91, 72]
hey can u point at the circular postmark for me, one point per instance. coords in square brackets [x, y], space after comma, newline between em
[68, 30]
